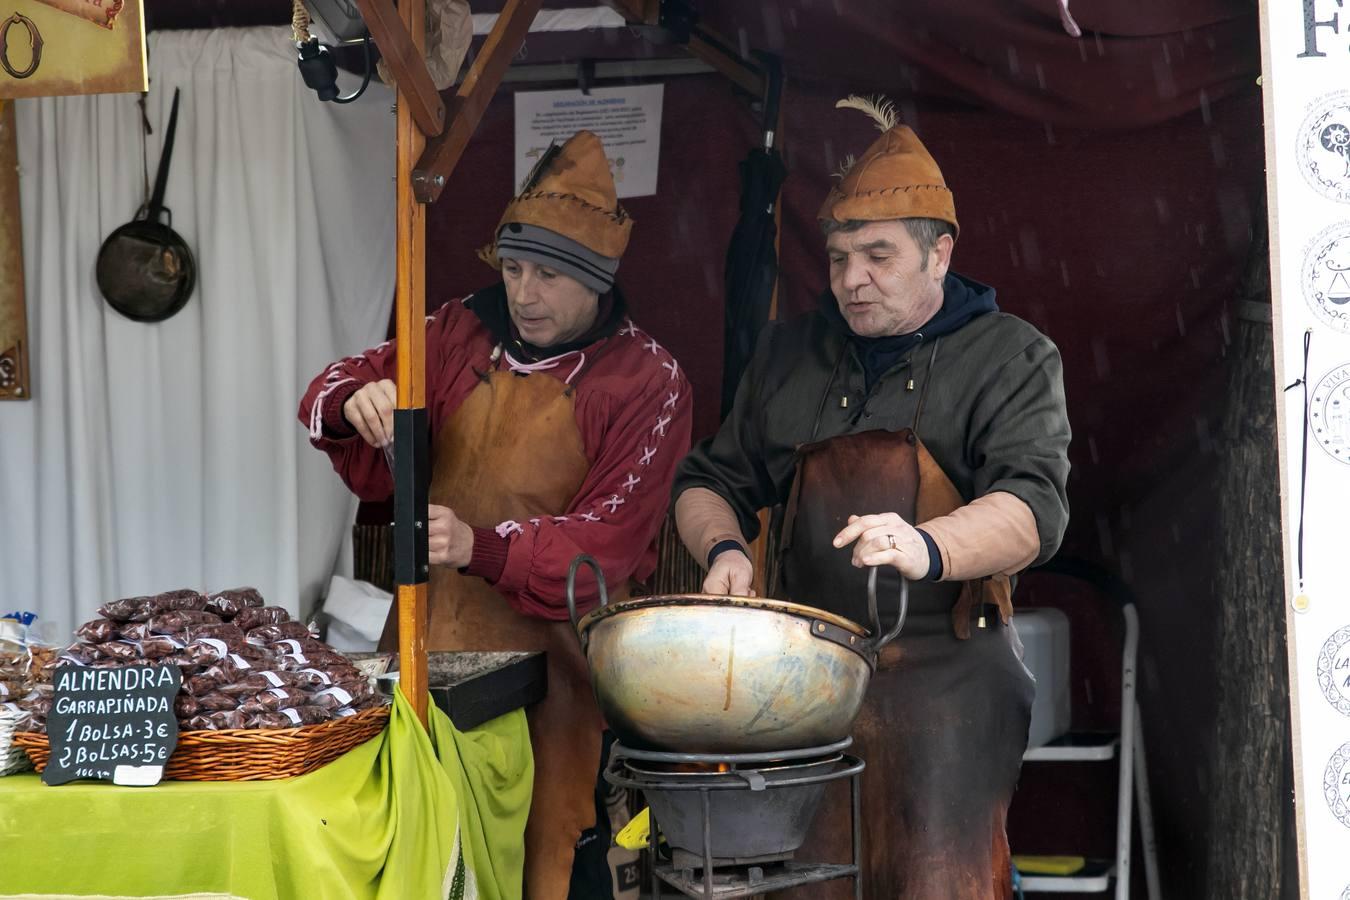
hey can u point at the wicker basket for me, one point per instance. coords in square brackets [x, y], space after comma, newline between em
[12, 757]
[255, 754]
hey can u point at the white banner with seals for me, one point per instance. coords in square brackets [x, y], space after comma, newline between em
[1306, 83]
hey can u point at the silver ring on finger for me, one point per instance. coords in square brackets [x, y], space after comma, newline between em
[891, 538]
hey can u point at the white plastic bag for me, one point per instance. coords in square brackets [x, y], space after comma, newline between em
[356, 612]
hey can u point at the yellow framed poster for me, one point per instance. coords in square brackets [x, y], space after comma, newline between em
[57, 47]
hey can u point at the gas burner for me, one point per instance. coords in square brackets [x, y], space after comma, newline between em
[733, 822]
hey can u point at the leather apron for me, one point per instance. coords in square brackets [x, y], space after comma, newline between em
[945, 721]
[513, 451]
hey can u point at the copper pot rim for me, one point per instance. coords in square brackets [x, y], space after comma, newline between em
[663, 601]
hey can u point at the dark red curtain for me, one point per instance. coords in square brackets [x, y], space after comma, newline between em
[1137, 64]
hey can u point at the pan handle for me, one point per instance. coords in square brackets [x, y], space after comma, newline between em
[878, 639]
[143, 215]
[572, 591]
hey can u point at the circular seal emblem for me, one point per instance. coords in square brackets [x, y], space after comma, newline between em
[1336, 784]
[1333, 670]
[1329, 413]
[1326, 276]
[1323, 148]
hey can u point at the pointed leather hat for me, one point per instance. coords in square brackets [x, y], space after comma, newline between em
[571, 192]
[897, 178]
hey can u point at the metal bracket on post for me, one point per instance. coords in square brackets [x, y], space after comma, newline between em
[411, 479]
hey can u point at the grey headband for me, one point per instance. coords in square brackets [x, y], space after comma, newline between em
[517, 240]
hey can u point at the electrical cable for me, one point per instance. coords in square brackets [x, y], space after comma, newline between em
[1303, 470]
[365, 82]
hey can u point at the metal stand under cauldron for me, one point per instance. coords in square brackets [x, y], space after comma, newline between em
[733, 822]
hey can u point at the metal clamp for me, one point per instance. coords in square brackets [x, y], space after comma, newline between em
[828, 631]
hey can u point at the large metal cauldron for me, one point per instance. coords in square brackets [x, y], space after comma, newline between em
[701, 673]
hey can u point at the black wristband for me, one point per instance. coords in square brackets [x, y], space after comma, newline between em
[722, 547]
[934, 557]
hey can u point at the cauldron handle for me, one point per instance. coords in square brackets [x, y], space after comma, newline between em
[572, 591]
[878, 639]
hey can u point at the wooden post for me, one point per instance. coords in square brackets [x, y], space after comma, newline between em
[410, 337]
[418, 116]
[14, 379]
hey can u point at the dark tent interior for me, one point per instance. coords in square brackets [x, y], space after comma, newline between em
[1110, 187]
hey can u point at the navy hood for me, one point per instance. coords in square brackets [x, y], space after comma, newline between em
[963, 299]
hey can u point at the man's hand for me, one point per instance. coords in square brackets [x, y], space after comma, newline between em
[886, 540]
[449, 540]
[371, 412]
[730, 575]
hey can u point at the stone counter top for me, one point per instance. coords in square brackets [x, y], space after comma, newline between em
[475, 687]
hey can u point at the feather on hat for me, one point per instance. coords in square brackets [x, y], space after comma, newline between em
[895, 179]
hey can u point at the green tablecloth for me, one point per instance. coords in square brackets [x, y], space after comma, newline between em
[406, 815]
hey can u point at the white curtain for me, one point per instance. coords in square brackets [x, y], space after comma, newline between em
[158, 456]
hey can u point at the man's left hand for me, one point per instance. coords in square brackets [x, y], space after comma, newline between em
[449, 540]
[886, 540]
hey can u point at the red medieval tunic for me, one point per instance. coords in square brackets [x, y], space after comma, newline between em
[547, 458]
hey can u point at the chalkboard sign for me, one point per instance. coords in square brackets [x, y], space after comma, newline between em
[112, 724]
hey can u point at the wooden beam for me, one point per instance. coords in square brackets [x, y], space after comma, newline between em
[471, 100]
[638, 12]
[404, 58]
[742, 73]
[704, 44]
[411, 335]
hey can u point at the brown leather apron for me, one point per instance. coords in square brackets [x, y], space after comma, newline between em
[945, 721]
[512, 451]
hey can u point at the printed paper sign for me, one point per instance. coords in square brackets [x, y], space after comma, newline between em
[626, 119]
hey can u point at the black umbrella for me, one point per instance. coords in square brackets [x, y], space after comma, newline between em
[752, 261]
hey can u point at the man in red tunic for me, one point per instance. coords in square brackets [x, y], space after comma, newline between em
[556, 426]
